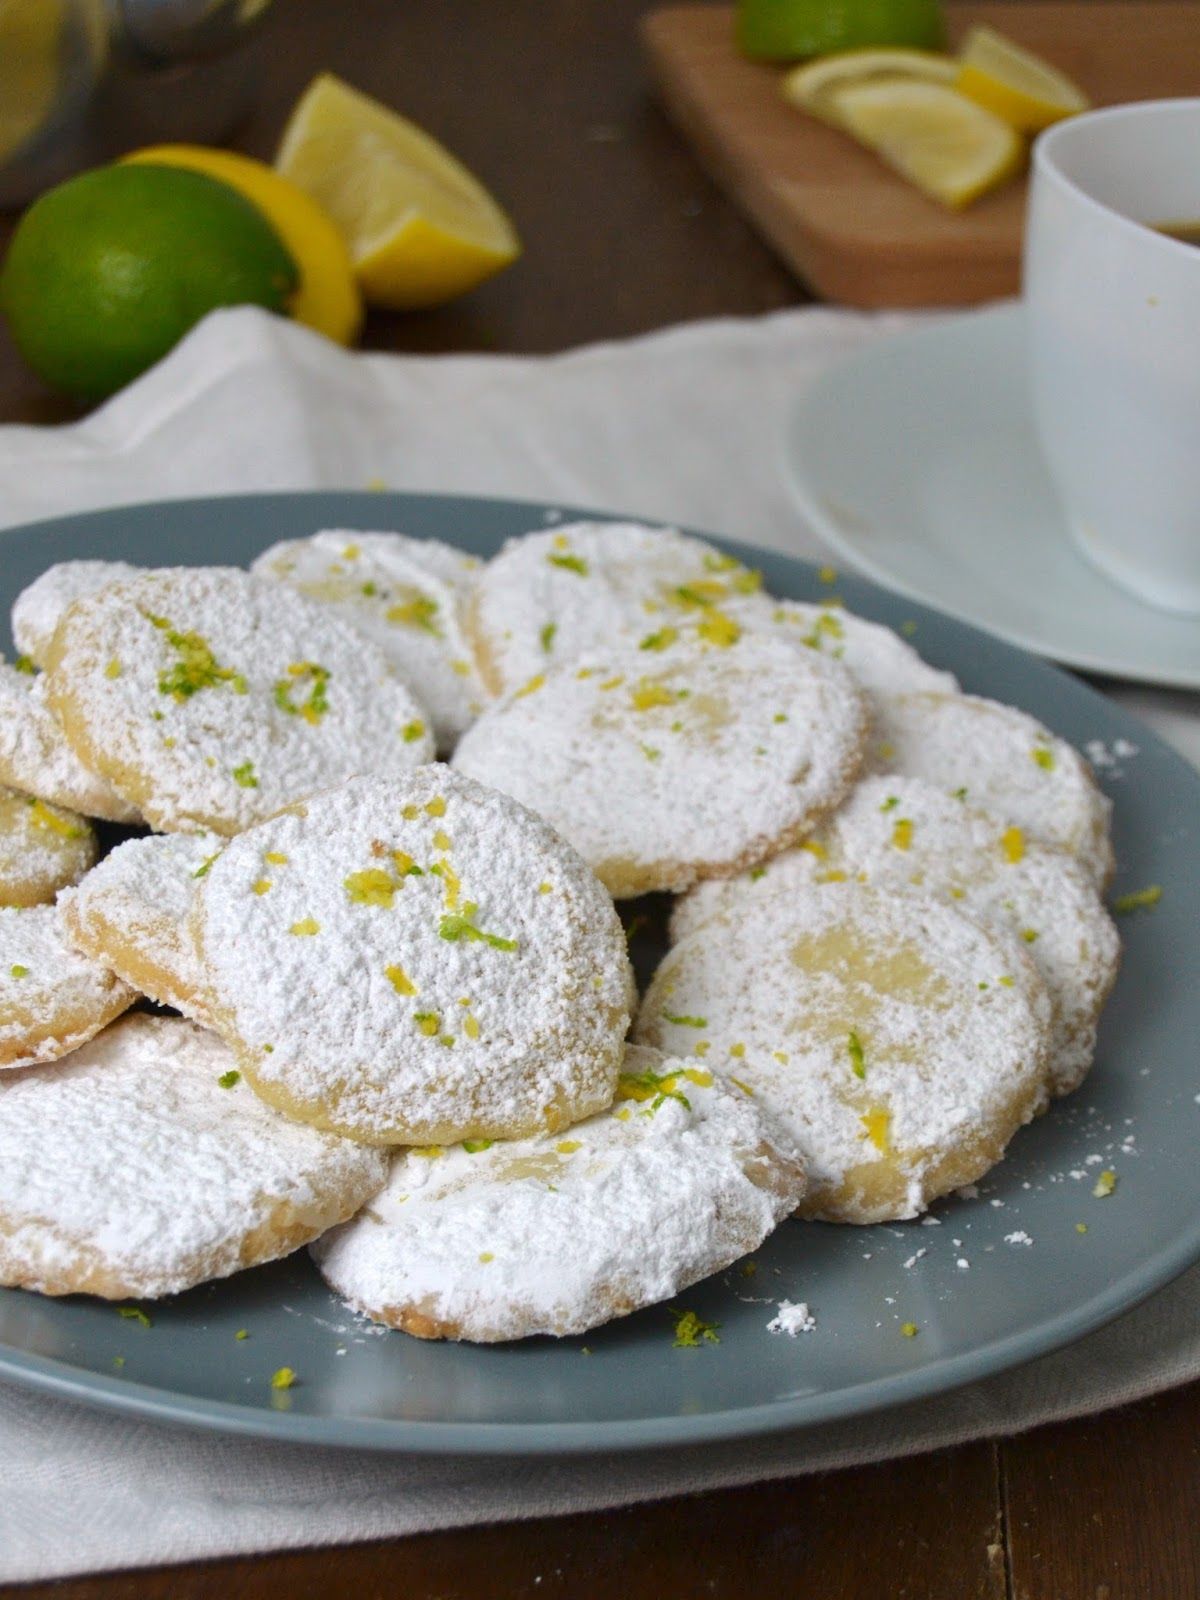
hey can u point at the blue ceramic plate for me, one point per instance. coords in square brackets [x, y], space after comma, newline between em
[625, 1385]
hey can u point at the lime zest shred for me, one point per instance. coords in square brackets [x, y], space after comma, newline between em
[134, 1314]
[909, 1330]
[197, 666]
[416, 613]
[244, 777]
[570, 563]
[890, 804]
[300, 673]
[242, 1333]
[547, 637]
[228, 1079]
[205, 867]
[1044, 757]
[18, 971]
[653, 1086]
[719, 629]
[902, 832]
[685, 1022]
[1106, 1183]
[1137, 900]
[474, 1147]
[412, 731]
[428, 1022]
[113, 669]
[458, 925]
[661, 640]
[283, 1378]
[857, 1064]
[691, 1331]
[24, 664]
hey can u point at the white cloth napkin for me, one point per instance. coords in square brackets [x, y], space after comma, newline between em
[685, 426]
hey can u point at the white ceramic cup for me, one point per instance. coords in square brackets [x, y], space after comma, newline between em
[1113, 312]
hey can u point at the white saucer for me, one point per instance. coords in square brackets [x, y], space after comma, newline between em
[916, 461]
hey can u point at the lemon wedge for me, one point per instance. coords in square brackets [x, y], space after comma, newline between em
[813, 87]
[951, 147]
[421, 228]
[1014, 83]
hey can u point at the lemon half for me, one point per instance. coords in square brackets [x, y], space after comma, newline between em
[949, 146]
[1014, 83]
[421, 228]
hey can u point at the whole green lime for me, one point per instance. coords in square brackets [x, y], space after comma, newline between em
[108, 271]
[790, 30]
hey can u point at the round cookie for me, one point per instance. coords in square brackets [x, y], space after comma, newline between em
[39, 607]
[52, 1000]
[680, 1178]
[899, 1043]
[463, 974]
[132, 913]
[1000, 760]
[549, 597]
[409, 595]
[142, 1167]
[36, 758]
[209, 698]
[686, 761]
[42, 849]
[902, 835]
[881, 662]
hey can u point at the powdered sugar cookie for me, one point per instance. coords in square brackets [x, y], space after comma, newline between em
[209, 698]
[42, 849]
[464, 975]
[555, 1236]
[902, 835]
[550, 597]
[1000, 760]
[36, 758]
[899, 1043]
[406, 594]
[680, 762]
[142, 1166]
[52, 1000]
[38, 608]
[131, 912]
[880, 660]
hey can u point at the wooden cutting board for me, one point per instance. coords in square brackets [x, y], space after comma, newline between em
[845, 224]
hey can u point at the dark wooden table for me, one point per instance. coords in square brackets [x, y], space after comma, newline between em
[623, 233]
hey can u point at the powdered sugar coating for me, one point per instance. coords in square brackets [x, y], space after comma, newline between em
[549, 597]
[42, 849]
[899, 1043]
[130, 1170]
[1004, 761]
[39, 607]
[209, 698]
[131, 912]
[554, 1236]
[685, 761]
[36, 758]
[464, 975]
[52, 1000]
[879, 659]
[903, 835]
[409, 596]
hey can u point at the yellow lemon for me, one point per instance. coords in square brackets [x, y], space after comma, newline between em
[421, 228]
[1014, 83]
[950, 147]
[813, 87]
[327, 298]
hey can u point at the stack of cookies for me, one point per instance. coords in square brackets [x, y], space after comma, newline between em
[405, 1028]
